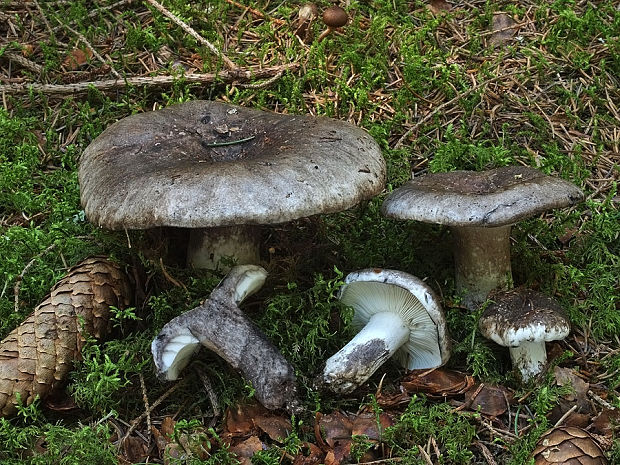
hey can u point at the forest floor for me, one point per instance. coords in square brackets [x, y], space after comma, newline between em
[441, 86]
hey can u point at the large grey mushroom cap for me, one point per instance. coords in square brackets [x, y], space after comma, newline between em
[523, 315]
[203, 164]
[492, 198]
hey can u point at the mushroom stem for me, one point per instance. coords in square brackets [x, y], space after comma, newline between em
[222, 327]
[207, 246]
[382, 336]
[529, 358]
[482, 262]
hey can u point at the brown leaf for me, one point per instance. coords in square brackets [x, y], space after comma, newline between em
[276, 427]
[314, 455]
[440, 382]
[568, 377]
[607, 423]
[438, 6]
[167, 427]
[489, 400]
[504, 29]
[77, 58]
[240, 420]
[365, 424]
[333, 427]
[245, 420]
[246, 449]
[134, 450]
[393, 400]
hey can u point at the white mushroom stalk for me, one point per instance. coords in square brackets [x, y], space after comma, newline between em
[397, 315]
[222, 327]
[529, 358]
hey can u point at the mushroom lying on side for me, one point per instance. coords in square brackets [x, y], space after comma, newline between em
[523, 320]
[222, 327]
[480, 208]
[397, 314]
[221, 171]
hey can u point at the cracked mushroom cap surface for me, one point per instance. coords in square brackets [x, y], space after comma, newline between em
[523, 315]
[376, 290]
[203, 164]
[496, 197]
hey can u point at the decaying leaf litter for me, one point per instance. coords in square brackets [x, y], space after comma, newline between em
[482, 74]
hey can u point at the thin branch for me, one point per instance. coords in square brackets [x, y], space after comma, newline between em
[155, 81]
[24, 62]
[227, 61]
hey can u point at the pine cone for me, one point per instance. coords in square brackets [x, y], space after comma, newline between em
[568, 446]
[37, 355]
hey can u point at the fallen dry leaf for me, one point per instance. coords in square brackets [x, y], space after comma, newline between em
[503, 27]
[311, 455]
[438, 6]
[245, 420]
[489, 400]
[437, 383]
[246, 449]
[77, 58]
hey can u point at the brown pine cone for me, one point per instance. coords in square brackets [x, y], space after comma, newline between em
[37, 355]
[567, 445]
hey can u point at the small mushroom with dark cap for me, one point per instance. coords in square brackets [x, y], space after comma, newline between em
[480, 208]
[333, 17]
[396, 314]
[523, 320]
[222, 171]
[222, 327]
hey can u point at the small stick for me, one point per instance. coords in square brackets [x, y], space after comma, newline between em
[148, 411]
[223, 76]
[227, 61]
[424, 455]
[486, 453]
[18, 281]
[565, 416]
[232, 142]
[23, 61]
[210, 392]
[145, 399]
[167, 275]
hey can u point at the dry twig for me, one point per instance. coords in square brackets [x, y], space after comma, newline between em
[223, 76]
[227, 61]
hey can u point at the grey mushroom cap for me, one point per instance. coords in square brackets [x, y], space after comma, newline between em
[492, 198]
[523, 315]
[203, 164]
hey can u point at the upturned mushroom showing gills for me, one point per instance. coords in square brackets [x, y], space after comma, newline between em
[480, 208]
[523, 320]
[397, 314]
[221, 171]
[221, 326]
